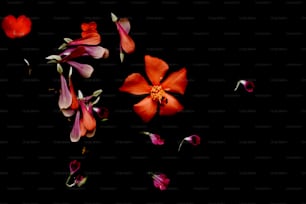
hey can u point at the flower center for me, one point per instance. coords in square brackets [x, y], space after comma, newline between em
[158, 94]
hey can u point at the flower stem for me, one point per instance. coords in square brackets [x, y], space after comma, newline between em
[181, 144]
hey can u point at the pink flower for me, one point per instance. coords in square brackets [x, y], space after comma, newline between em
[248, 85]
[155, 138]
[192, 139]
[160, 180]
[127, 44]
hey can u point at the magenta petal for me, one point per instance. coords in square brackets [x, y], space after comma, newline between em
[75, 133]
[74, 166]
[65, 98]
[85, 70]
[156, 139]
[248, 86]
[161, 181]
[193, 139]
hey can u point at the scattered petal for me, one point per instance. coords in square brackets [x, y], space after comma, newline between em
[160, 180]
[248, 85]
[16, 27]
[74, 166]
[65, 98]
[192, 139]
[155, 138]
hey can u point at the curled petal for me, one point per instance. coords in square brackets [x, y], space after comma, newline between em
[155, 69]
[135, 84]
[156, 139]
[102, 112]
[146, 109]
[126, 42]
[65, 98]
[85, 70]
[74, 166]
[176, 82]
[75, 133]
[171, 107]
[193, 139]
[248, 85]
[80, 180]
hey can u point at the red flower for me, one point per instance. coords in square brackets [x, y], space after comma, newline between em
[16, 27]
[159, 97]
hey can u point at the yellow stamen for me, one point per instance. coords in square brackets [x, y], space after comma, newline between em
[158, 94]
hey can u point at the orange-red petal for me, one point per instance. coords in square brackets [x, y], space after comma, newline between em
[126, 42]
[176, 82]
[135, 84]
[74, 104]
[87, 118]
[16, 27]
[172, 107]
[146, 109]
[155, 69]
[82, 128]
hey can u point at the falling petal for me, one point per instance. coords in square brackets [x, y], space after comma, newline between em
[125, 24]
[192, 139]
[161, 181]
[155, 69]
[126, 42]
[68, 112]
[74, 102]
[75, 133]
[88, 119]
[93, 38]
[171, 107]
[91, 133]
[85, 70]
[82, 128]
[135, 84]
[65, 98]
[16, 27]
[248, 85]
[97, 52]
[146, 109]
[156, 139]
[74, 166]
[80, 180]
[75, 53]
[176, 82]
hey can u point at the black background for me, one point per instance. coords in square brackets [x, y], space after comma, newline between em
[252, 146]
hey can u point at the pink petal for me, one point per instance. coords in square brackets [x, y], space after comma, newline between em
[125, 24]
[193, 139]
[75, 133]
[68, 112]
[85, 70]
[65, 98]
[74, 166]
[74, 53]
[97, 52]
[156, 139]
